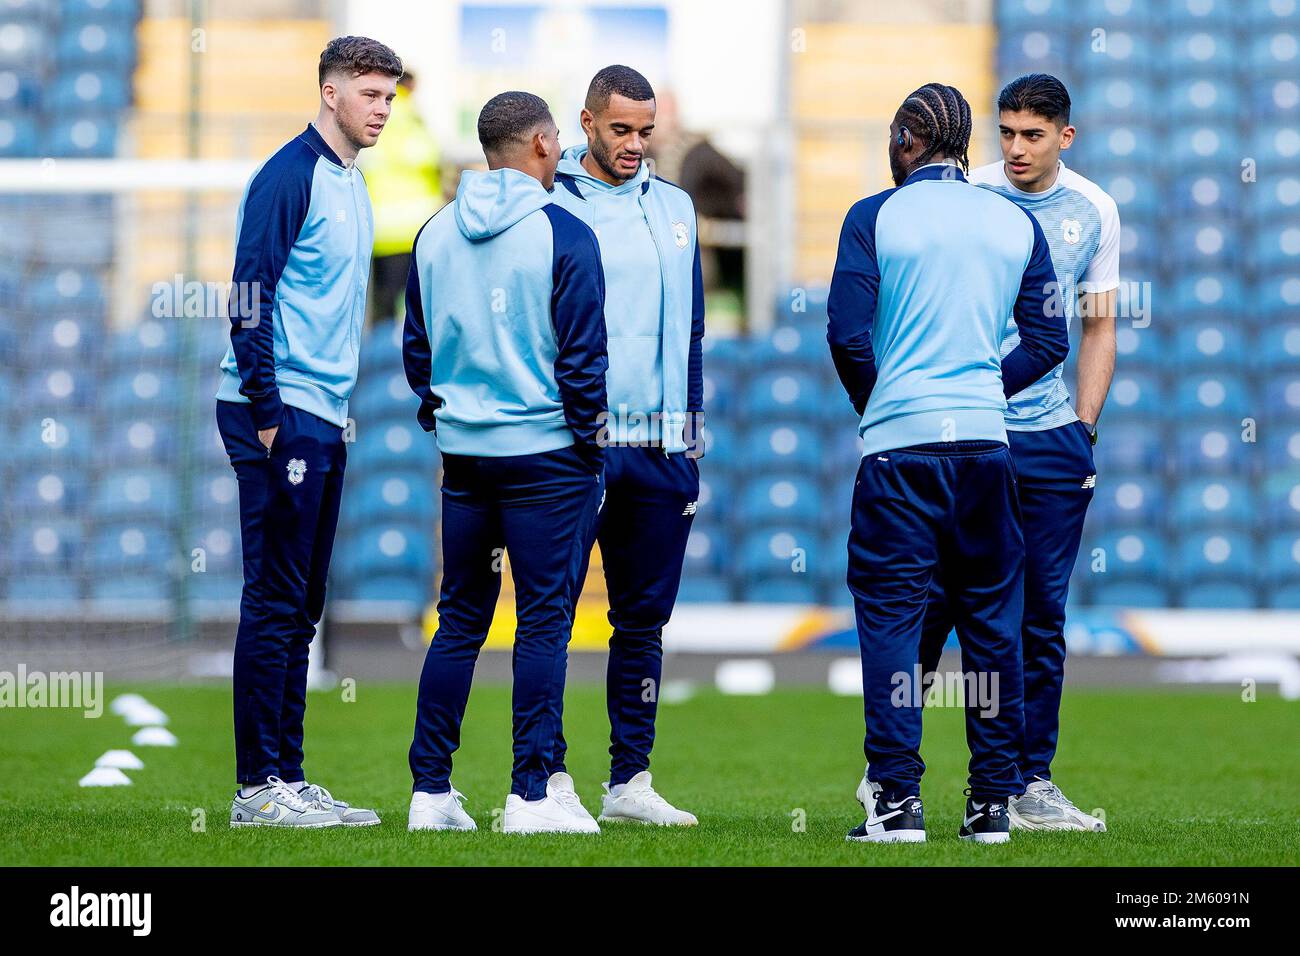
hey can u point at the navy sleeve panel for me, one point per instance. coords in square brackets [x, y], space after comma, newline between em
[851, 304]
[694, 434]
[1040, 319]
[274, 210]
[578, 312]
[417, 355]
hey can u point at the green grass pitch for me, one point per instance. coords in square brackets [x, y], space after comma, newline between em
[1185, 778]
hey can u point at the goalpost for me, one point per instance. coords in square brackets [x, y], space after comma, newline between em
[121, 518]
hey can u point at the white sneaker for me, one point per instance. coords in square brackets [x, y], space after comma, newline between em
[439, 811]
[1044, 807]
[638, 801]
[546, 815]
[559, 787]
[279, 805]
[348, 815]
[902, 822]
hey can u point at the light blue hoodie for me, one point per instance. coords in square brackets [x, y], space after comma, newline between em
[505, 338]
[654, 302]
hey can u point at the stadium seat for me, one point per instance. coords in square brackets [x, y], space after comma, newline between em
[1279, 501]
[1276, 51]
[1282, 397]
[1200, 51]
[126, 493]
[1132, 499]
[46, 492]
[1217, 594]
[385, 446]
[89, 137]
[776, 553]
[1276, 247]
[1135, 395]
[792, 345]
[88, 92]
[790, 393]
[96, 45]
[706, 552]
[1212, 502]
[780, 499]
[1213, 397]
[1277, 299]
[1136, 446]
[1124, 594]
[1282, 561]
[389, 497]
[1203, 557]
[1027, 14]
[1211, 345]
[780, 445]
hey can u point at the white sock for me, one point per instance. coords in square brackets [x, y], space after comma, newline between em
[248, 789]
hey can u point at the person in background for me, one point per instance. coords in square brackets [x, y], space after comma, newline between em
[405, 184]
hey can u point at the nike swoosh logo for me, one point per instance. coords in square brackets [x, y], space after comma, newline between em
[275, 813]
[872, 821]
[969, 820]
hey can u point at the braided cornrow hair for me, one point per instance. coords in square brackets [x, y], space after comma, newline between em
[944, 116]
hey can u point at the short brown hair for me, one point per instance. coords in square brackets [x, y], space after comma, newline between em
[356, 56]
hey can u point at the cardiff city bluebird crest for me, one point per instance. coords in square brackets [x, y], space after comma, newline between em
[297, 468]
[680, 234]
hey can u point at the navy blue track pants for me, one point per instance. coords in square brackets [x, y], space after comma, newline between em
[1055, 477]
[948, 508]
[288, 513]
[540, 509]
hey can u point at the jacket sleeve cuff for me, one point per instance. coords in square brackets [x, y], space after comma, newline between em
[268, 411]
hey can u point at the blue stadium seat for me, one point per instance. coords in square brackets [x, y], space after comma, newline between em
[126, 493]
[1282, 561]
[26, 45]
[102, 46]
[721, 444]
[381, 350]
[88, 92]
[20, 90]
[789, 589]
[1207, 244]
[394, 549]
[1111, 100]
[62, 291]
[1213, 503]
[780, 499]
[1131, 16]
[217, 494]
[387, 587]
[1281, 448]
[1214, 556]
[783, 445]
[383, 397]
[1210, 194]
[46, 544]
[57, 389]
[44, 586]
[58, 341]
[1129, 554]
[1211, 345]
[792, 345]
[1202, 100]
[1210, 396]
[133, 390]
[706, 552]
[1135, 395]
[1212, 449]
[1203, 147]
[1277, 147]
[91, 137]
[705, 588]
[1282, 397]
[1130, 594]
[1030, 51]
[140, 437]
[47, 492]
[1030, 14]
[1143, 350]
[776, 552]
[1276, 246]
[1132, 499]
[385, 446]
[1200, 51]
[1219, 595]
[392, 497]
[1275, 98]
[1135, 446]
[1276, 52]
[786, 392]
[1279, 501]
[1211, 15]
[101, 11]
[1204, 295]
[1278, 299]
[150, 341]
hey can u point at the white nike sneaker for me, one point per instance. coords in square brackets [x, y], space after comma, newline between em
[638, 801]
[439, 811]
[279, 805]
[1044, 807]
[348, 815]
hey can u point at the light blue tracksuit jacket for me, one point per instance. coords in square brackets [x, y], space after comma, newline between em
[654, 299]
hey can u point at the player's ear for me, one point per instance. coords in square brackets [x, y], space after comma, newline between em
[588, 120]
[1067, 136]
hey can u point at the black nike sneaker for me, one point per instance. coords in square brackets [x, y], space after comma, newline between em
[986, 822]
[902, 821]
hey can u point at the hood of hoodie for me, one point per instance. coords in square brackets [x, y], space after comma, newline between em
[487, 204]
[571, 163]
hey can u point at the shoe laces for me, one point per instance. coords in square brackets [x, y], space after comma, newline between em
[319, 795]
[1052, 795]
[290, 797]
[567, 799]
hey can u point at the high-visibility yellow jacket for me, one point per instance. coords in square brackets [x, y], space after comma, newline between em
[402, 172]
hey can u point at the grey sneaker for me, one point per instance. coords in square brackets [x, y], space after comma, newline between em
[348, 815]
[1044, 807]
[279, 805]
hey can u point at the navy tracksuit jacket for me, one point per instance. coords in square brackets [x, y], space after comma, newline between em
[925, 277]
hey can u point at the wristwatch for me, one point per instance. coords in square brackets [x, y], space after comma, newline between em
[1091, 428]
